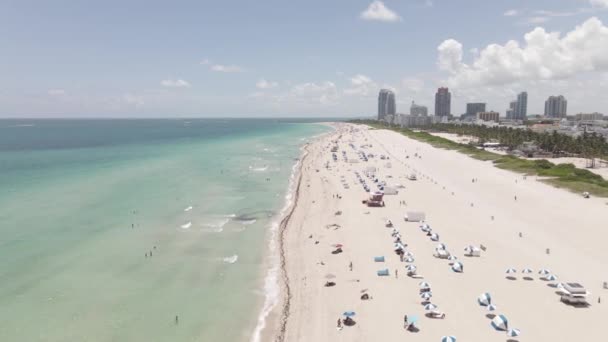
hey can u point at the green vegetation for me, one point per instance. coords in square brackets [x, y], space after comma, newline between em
[565, 176]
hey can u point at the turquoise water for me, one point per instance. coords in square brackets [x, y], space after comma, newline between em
[112, 228]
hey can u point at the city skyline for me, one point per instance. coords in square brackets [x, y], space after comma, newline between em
[217, 59]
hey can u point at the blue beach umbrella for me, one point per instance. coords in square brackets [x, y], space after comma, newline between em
[426, 295]
[500, 322]
[448, 339]
[513, 332]
[491, 307]
[484, 299]
[544, 271]
[550, 277]
[424, 285]
[349, 313]
[457, 267]
[526, 271]
[430, 307]
[411, 268]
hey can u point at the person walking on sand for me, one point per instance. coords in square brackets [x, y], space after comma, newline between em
[350, 266]
[405, 322]
[396, 273]
[339, 324]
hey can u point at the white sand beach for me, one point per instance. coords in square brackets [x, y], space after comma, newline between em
[462, 213]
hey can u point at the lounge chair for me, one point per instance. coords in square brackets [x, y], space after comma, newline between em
[436, 314]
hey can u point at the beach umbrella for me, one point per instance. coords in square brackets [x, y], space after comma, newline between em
[484, 299]
[550, 277]
[513, 332]
[424, 285]
[500, 323]
[411, 268]
[452, 258]
[430, 307]
[511, 271]
[435, 237]
[440, 246]
[448, 339]
[410, 259]
[408, 254]
[526, 271]
[426, 295]
[491, 307]
[469, 249]
[457, 267]
[544, 271]
[349, 313]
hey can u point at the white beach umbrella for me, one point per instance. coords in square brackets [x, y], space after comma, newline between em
[430, 307]
[410, 259]
[457, 267]
[411, 268]
[550, 277]
[500, 322]
[424, 285]
[448, 339]
[491, 307]
[426, 295]
[440, 246]
[511, 271]
[408, 254]
[434, 237]
[484, 299]
[526, 271]
[513, 332]
[544, 271]
[452, 258]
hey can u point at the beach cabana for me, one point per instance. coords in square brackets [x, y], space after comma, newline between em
[484, 299]
[471, 250]
[448, 339]
[500, 322]
[457, 267]
[513, 332]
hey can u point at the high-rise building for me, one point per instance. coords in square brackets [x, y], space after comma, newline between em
[474, 108]
[521, 109]
[488, 116]
[443, 100]
[386, 104]
[556, 107]
[518, 110]
[418, 110]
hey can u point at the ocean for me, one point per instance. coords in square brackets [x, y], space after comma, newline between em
[140, 230]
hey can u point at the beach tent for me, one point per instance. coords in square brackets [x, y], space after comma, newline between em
[448, 339]
[513, 332]
[472, 251]
[484, 299]
[500, 323]
[414, 216]
[390, 191]
[457, 267]
[383, 272]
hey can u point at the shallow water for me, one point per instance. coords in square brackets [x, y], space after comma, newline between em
[112, 228]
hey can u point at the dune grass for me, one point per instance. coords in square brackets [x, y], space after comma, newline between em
[566, 176]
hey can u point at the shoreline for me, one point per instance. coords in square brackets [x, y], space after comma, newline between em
[272, 316]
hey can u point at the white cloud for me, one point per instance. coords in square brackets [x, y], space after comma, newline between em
[412, 85]
[175, 83]
[543, 56]
[599, 3]
[205, 62]
[537, 20]
[511, 13]
[56, 92]
[378, 11]
[263, 84]
[361, 85]
[227, 68]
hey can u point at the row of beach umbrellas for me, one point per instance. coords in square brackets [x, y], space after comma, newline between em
[499, 322]
[544, 273]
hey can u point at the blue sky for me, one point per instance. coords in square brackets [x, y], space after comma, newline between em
[294, 58]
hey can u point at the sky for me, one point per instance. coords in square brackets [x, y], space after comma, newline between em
[276, 58]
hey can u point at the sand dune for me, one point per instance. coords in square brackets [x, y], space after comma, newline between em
[572, 228]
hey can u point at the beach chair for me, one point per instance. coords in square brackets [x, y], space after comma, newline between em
[436, 314]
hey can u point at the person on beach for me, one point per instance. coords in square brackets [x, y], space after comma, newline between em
[176, 319]
[405, 322]
[350, 266]
[396, 274]
[339, 324]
